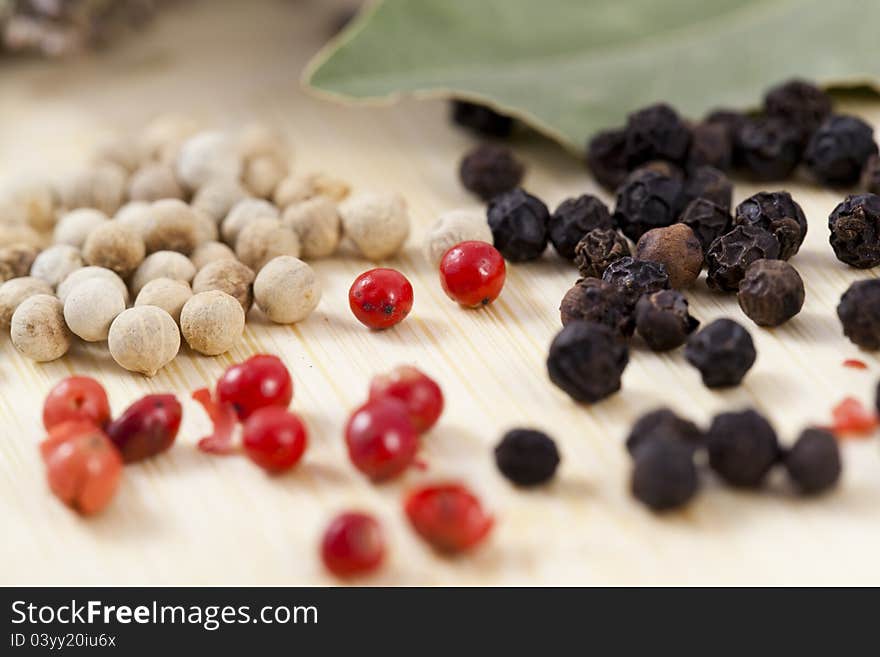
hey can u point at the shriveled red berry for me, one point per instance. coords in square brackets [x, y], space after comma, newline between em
[82, 465]
[260, 381]
[448, 516]
[380, 298]
[274, 439]
[421, 394]
[223, 419]
[76, 398]
[147, 427]
[472, 273]
[381, 439]
[353, 544]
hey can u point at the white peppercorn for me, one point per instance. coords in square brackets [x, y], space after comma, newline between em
[206, 228]
[90, 308]
[229, 276]
[206, 156]
[264, 239]
[135, 215]
[217, 197]
[77, 276]
[172, 227]
[18, 233]
[166, 293]
[287, 290]
[114, 246]
[55, 263]
[143, 339]
[454, 227]
[259, 139]
[316, 222]
[154, 182]
[101, 187]
[162, 264]
[16, 290]
[208, 252]
[212, 322]
[163, 137]
[378, 224]
[262, 175]
[74, 227]
[36, 199]
[38, 329]
[297, 188]
[16, 260]
[243, 213]
[121, 150]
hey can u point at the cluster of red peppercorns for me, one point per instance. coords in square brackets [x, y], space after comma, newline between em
[85, 448]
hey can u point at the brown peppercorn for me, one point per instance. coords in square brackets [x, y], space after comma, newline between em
[707, 220]
[173, 226]
[115, 246]
[677, 248]
[663, 321]
[16, 260]
[228, 276]
[595, 300]
[598, 249]
[489, 170]
[771, 293]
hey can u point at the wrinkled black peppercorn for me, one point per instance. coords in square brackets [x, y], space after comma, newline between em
[595, 300]
[723, 352]
[777, 213]
[489, 170]
[677, 248]
[663, 321]
[742, 447]
[800, 103]
[519, 225]
[636, 277]
[527, 457]
[606, 158]
[855, 230]
[656, 133]
[647, 199]
[586, 360]
[708, 183]
[481, 119]
[664, 476]
[839, 149]
[768, 148]
[771, 293]
[598, 249]
[859, 313]
[711, 145]
[574, 218]
[731, 254]
[871, 175]
[813, 462]
[663, 423]
[707, 220]
[731, 120]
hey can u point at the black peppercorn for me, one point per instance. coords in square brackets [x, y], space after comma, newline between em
[586, 360]
[839, 149]
[636, 277]
[481, 119]
[663, 167]
[768, 148]
[711, 145]
[707, 220]
[519, 225]
[777, 213]
[708, 183]
[677, 249]
[598, 249]
[656, 133]
[606, 158]
[771, 293]
[731, 120]
[574, 218]
[813, 462]
[595, 300]
[731, 254]
[855, 230]
[664, 476]
[723, 352]
[663, 423]
[742, 448]
[489, 170]
[663, 321]
[871, 175]
[647, 199]
[800, 103]
[859, 313]
[527, 457]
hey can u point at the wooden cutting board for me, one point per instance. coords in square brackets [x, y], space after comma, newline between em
[189, 518]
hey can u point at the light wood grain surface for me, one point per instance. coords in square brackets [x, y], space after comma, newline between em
[189, 518]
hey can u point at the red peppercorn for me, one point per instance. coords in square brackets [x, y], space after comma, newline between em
[449, 517]
[380, 298]
[223, 419]
[851, 418]
[274, 439]
[353, 544]
[382, 441]
[76, 398]
[472, 273]
[147, 427]
[260, 381]
[421, 394]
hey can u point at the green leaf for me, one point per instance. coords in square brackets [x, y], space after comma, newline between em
[571, 67]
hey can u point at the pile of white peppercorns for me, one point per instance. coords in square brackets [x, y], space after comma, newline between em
[172, 232]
